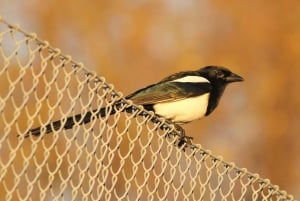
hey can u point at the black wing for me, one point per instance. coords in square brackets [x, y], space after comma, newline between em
[168, 91]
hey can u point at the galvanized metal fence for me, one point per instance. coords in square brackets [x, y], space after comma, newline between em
[124, 156]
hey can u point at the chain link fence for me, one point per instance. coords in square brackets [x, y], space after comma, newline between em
[125, 156]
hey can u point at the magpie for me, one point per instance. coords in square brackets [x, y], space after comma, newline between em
[179, 98]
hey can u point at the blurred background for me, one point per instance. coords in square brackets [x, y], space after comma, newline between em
[136, 43]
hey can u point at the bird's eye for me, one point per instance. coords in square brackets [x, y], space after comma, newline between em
[220, 74]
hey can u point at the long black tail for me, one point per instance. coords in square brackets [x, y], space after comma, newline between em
[72, 120]
[89, 116]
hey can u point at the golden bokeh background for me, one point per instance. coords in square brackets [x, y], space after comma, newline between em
[136, 43]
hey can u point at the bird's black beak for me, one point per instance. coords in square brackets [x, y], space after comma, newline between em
[234, 78]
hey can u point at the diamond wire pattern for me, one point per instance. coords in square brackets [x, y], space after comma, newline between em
[126, 156]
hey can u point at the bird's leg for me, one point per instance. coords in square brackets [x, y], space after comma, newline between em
[180, 130]
[184, 140]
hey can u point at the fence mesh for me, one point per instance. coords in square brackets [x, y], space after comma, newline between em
[124, 156]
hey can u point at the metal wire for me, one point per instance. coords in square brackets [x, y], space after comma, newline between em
[125, 156]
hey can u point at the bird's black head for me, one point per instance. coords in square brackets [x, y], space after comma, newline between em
[218, 74]
[219, 77]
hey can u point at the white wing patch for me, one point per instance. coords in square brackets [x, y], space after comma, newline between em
[192, 79]
[185, 110]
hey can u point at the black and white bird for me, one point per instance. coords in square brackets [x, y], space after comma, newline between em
[180, 98]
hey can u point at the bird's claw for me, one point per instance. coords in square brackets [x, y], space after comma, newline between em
[186, 141]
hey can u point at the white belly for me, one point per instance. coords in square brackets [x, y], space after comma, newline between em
[183, 111]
